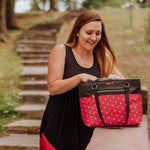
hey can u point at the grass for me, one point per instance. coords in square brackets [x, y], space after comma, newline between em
[147, 50]
[127, 42]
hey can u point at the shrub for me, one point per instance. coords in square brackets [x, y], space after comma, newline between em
[97, 4]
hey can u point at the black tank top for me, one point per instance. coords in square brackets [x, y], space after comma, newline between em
[73, 68]
[62, 123]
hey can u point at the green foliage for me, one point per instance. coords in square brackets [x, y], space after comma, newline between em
[6, 118]
[9, 102]
[1, 129]
[97, 3]
[114, 3]
[91, 4]
[34, 5]
[147, 38]
[70, 4]
[147, 50]
[138, 50]
[146, 4]
[10, 65]
[14, 32]
[36, 21]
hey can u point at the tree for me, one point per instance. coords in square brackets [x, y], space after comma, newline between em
[34, 5]
[91, 4]
[144, 3]
[70, 4]
[7, 18]
[101, 3]
[3, 27]
[10, 15]
[53, 5]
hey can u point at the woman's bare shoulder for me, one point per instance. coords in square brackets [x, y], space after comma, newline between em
[58, 50]
[59, 47]
[58, 53]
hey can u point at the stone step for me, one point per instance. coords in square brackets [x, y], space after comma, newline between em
[24, 127]
[34, 73]
[37, 46]
[35, 41]
[47, 26]
[38, 35]
[38, 38]
[33, 52]
[19, 142]
[35, 33]
[35, 62]
[34, 47]
[70, 16]
[30, 111]
[34, 85]
[33, 97]
[38, 50]
[35, 56]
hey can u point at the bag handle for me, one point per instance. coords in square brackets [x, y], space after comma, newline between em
[127, 104]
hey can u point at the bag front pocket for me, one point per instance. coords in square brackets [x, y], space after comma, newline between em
[113, 108]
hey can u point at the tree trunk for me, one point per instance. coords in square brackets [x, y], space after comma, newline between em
[148, 2]
[3, 29]
[10, 15]
[34, 5]
[131, 16]
[53, 5]
[148, 30]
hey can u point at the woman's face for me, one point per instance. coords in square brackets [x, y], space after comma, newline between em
[89, 35]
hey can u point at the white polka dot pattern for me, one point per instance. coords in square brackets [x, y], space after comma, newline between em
[113, 110]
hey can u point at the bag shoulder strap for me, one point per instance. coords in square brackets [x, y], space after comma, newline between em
[99, 109]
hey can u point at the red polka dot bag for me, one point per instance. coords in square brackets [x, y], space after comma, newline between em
[111, 102]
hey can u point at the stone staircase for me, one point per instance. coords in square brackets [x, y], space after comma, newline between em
[34, 46]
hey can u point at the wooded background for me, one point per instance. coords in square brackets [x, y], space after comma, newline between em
[8, 17]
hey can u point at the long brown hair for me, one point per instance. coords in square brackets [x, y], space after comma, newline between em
[102, 46]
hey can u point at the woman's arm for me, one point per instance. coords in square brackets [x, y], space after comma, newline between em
[56, 83]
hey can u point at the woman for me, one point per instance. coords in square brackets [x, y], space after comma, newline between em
[86, 57]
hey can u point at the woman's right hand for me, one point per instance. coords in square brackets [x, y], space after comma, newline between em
[87, 78]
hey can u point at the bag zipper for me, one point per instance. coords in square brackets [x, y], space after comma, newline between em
[107, 91]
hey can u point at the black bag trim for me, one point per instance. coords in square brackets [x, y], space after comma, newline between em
[88, 88]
